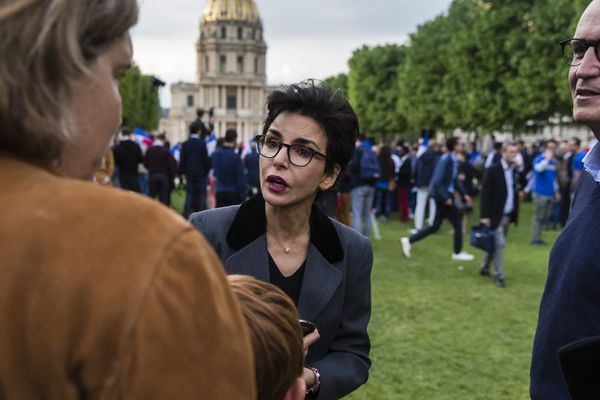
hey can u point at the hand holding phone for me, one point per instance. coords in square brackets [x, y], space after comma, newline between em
[307, 327]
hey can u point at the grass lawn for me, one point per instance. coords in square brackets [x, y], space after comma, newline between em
[439, 331]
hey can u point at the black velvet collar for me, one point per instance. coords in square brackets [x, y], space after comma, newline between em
[250, 223]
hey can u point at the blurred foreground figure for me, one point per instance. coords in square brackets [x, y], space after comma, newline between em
[276, 338]
[571, 302]
[103, 294]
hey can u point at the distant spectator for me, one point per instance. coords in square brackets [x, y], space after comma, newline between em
[499, 207]
[494, 155]
[404, 184]
[545, 190]
[424, 172]
[365, 172]
[443, 185]
[159, 162]
[194, 164]
[198, 124]
[252, 170]
[227, 165]
[128, 157]
[386, 184]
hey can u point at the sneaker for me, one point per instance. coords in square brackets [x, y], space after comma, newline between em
[538, 242]
[463, 256]
[484, 272]
[499, 283]
[412, 231]
[405, 246]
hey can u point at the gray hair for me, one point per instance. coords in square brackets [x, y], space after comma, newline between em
[46, 46]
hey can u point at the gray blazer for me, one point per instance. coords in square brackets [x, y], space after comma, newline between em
[335, 292]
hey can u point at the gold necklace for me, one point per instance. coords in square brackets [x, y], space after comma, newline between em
[286, 249]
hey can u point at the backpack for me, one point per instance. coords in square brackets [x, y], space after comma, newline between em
[368, 167]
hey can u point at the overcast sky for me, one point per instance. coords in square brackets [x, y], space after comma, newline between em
[305, 38]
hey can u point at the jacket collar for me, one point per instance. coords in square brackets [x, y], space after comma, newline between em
[250, 223]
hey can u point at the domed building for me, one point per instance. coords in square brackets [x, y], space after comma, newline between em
[231, 73]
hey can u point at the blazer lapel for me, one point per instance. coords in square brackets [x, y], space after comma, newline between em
[321, 281]
[252, 259]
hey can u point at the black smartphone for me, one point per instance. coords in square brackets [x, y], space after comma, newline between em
[307, 327]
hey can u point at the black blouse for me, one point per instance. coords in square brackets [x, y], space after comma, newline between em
[290, 285]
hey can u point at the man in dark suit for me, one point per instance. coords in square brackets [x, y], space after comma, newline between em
[128, 157]
[443, 187]
[194, 164]
[570, 306]
[499, 207]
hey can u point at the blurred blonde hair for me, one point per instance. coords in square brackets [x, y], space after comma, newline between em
[276, 335]
[46, 46]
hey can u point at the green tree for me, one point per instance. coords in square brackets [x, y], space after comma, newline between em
[372, 89]
[420, 77]
[338, 82]
[141, 104]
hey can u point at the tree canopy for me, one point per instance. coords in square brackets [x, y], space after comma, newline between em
[141, 105]
[482, 66]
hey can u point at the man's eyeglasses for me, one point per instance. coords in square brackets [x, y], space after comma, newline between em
[573, 50]
[298, 154]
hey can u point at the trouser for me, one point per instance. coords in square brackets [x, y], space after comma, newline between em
[144, 182]
[362, 201]
[403, 203]
[383, 202]
[542, 209]
[225, 199]
[195, 195]
[159, 186]
[443, 211]
[130, 182]
[344, 208]
[499, 244]
[422, 196]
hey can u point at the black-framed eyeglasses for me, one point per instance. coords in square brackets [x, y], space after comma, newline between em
[298, 154]
[573, 50]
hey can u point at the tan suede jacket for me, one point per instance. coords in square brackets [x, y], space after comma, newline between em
[108, 295]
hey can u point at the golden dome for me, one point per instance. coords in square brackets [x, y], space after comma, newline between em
[231, 10]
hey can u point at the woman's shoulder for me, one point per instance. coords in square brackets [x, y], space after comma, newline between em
[349, 237]
[214, 222]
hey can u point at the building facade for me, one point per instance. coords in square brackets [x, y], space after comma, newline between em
[231, 73]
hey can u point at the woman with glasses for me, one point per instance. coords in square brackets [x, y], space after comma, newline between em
[281, 236]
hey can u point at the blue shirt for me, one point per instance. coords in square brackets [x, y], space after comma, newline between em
[229, 171]
[544, 176]
[591, 162]
[510, 189]
[454, 172]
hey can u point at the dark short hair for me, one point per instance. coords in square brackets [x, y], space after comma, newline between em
[498, 145]
[199, 112]
[329, 109]
[230, 135]
[576, 140]
[126, 132]
[451, 143]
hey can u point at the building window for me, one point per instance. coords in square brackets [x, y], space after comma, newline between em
[256, 65]
[223, 32]
[240, 33]
[207, 64]
[231, 97]
[223, 64]
[190, 101]
[240, 64]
